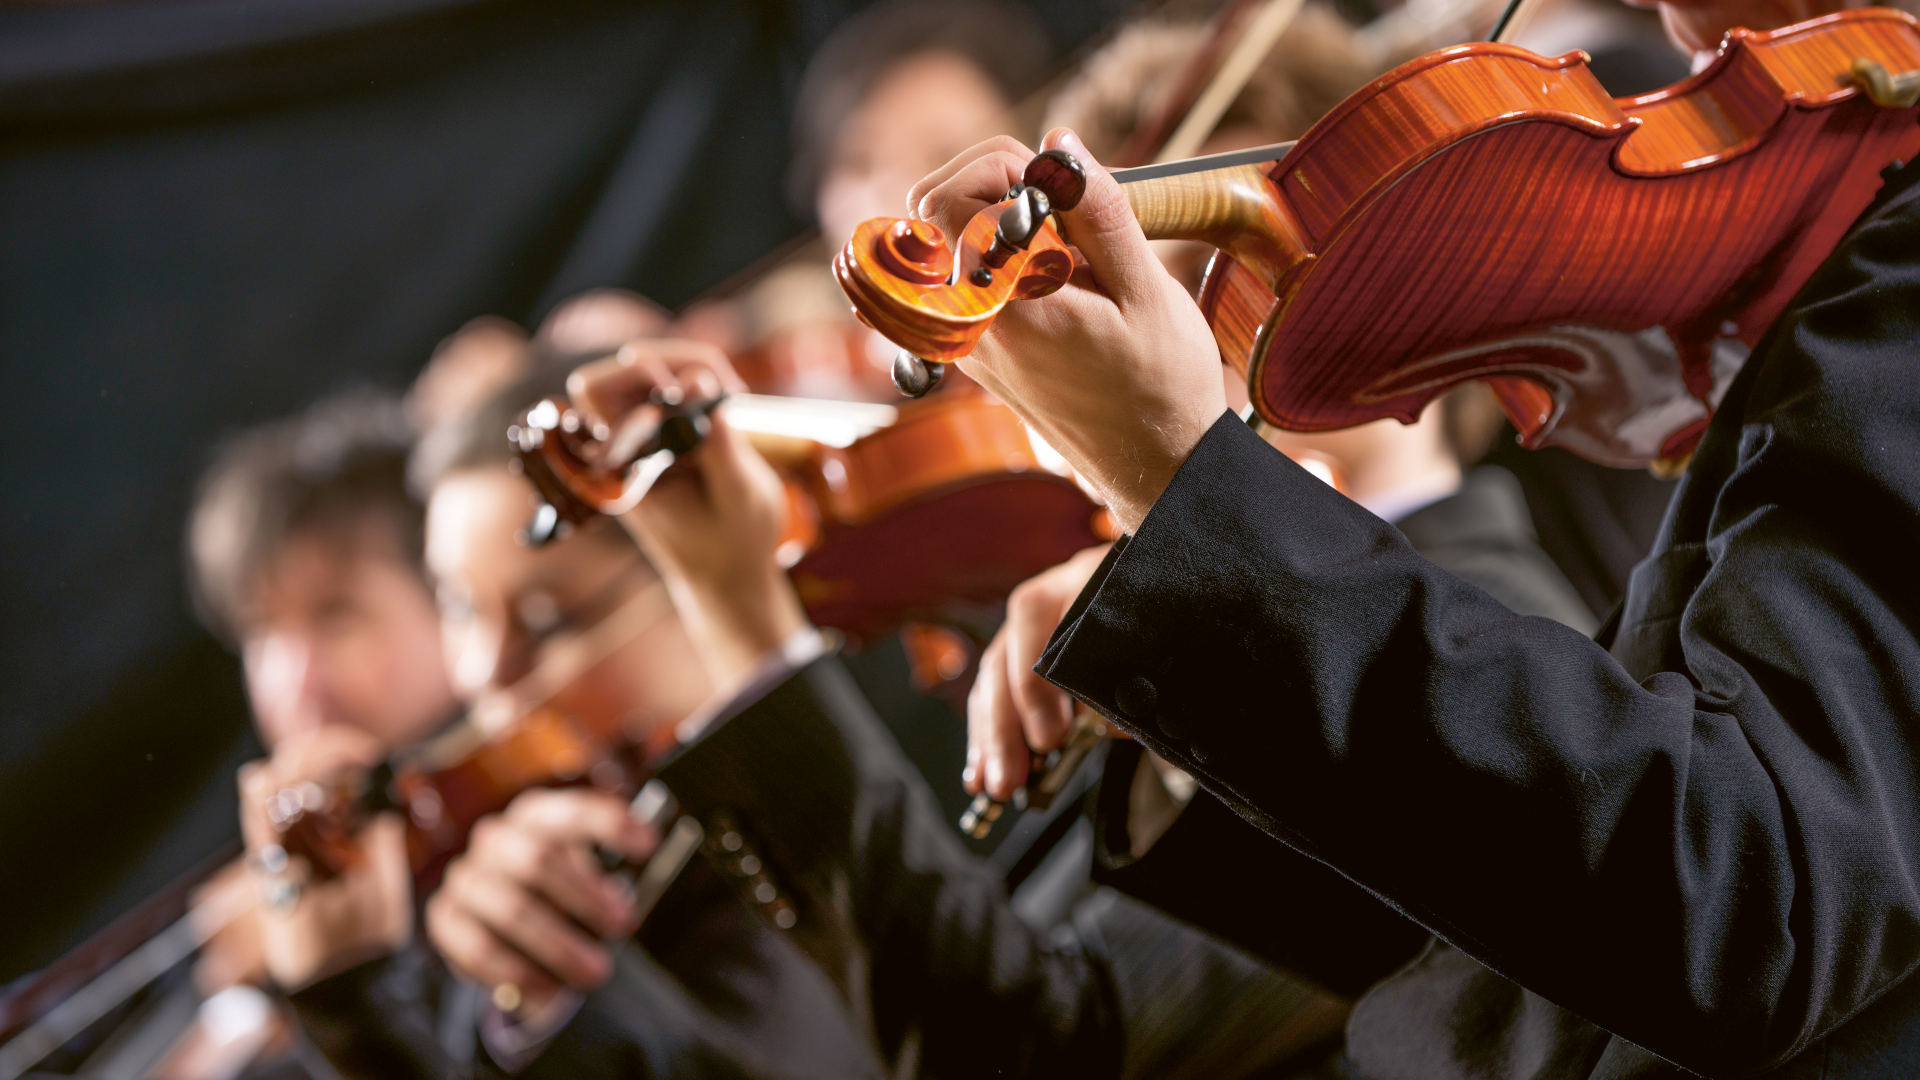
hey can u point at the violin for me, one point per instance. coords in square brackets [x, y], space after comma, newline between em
[1480, 212]
[928, 512]
[444, 791]
[444, 787]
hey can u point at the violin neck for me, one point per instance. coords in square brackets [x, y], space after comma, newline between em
[1236, 209]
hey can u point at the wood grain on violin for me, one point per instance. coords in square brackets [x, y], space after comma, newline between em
[933, 517]
[1485, 212]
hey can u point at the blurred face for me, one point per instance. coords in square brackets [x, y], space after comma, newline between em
[917, 116]
[343, 633]
[582, 623]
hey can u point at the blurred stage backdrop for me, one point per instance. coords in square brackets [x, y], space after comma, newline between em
[212, 211]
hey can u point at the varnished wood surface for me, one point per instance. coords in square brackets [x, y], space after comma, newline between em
[1699, 209]
[1472, 212]
[1236, 210]
[933, 517]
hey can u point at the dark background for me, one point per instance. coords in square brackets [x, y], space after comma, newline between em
[212, 211]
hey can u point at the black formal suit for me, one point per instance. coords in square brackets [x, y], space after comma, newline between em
[1700, 842]
[1213, 869]
[838, 927]
[705, 989]
[918, 933]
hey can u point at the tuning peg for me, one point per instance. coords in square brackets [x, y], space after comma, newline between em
[1058, 174]
[913, 376]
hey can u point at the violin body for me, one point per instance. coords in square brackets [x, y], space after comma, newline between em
[1485, 212]
[933, 517]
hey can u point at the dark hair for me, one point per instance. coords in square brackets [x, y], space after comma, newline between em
[330, 471]
[477, 438]
[1004, 40]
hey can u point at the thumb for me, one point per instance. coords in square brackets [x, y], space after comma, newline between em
[1103, 227]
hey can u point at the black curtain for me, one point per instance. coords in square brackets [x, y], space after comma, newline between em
[212, 211]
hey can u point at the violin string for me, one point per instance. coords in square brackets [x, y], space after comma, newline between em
[1256, 155]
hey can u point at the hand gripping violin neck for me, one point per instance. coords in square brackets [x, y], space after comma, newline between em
[1482, 212]
[1002, 261]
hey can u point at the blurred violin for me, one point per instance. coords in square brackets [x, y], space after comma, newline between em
[1480, 212]
[926, 512]
[445, 789]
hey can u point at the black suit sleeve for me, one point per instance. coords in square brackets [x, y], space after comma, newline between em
[378, 1019]
[884, 896]
[1221, 874]
[1714, 860]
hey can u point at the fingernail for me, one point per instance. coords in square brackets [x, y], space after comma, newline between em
[1070, 142]
[996, 774]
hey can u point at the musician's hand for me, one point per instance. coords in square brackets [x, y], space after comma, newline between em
[1012, 709]
[363, 912]
[1118, 370]
[233, 953]
[711, 527]
[527, 903]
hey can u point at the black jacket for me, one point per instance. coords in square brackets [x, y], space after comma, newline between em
[1704, 839]
[918, 932]
[838, 927]
[1215, 870]
[704, 990]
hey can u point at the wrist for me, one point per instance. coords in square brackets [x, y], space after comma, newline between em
[736, 623]
[1131, 491]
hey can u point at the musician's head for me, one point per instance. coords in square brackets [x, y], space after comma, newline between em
[582, 621]
[304, 553]
[466, 366]
[899, 89]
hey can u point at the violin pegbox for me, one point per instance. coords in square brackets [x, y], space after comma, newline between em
[934, 301]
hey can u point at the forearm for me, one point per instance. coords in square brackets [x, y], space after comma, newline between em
[1501, 779]
[876, 876]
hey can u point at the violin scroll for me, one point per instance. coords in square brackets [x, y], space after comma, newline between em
[577, 476]
[934, 300]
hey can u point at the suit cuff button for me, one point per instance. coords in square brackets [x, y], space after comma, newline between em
[1135, 698]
